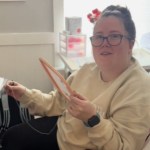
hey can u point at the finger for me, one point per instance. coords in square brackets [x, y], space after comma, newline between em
[8, 91]
[78, 95]
[70, 109]
[12, 83]
[77, 101]
[7, 88]
[67, 98]
[74, 100]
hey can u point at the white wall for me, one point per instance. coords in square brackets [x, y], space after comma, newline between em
[26, 16]
[19, 54]
[28, 30]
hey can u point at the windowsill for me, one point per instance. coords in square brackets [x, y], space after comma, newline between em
[73, 64]
[143, 56]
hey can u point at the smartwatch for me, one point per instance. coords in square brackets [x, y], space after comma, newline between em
[94, 120]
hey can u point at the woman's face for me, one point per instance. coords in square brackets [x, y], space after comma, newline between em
[107, 56]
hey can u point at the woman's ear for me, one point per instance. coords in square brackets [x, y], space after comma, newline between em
[131, 44]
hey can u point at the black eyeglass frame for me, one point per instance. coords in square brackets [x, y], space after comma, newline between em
[106, 37]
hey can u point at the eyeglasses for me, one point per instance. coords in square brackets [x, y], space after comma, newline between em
[112, 39]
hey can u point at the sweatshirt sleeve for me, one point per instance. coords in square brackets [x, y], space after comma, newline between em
[44, 104]
[128, 120]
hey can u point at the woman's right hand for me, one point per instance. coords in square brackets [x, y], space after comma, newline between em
[14, 89]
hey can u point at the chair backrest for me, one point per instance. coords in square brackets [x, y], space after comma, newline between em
[11, 113]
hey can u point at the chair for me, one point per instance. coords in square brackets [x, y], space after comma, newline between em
[11, 113]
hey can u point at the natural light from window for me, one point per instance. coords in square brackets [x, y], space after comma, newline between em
[139, 10]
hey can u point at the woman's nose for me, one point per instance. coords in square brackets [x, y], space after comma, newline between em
[105, 42]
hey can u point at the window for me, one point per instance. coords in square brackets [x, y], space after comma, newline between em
[139, 11]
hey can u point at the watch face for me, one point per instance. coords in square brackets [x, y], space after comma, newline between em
[94, 120]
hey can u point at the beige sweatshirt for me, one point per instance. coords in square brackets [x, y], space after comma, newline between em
[124, 110]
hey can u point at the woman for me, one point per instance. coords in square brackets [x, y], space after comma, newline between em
[109, 109]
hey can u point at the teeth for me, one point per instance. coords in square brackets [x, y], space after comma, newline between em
[105, 53]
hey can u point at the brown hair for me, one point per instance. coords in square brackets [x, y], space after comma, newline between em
[124, 14]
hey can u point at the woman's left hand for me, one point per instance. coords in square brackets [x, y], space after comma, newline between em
[80, 107]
